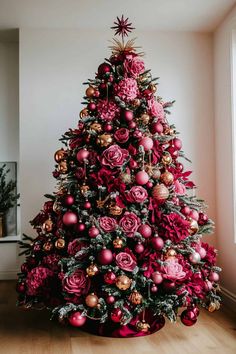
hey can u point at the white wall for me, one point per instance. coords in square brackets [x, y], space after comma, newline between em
[224, 153]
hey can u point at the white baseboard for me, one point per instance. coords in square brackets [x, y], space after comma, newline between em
[229, 298]
[9, 274]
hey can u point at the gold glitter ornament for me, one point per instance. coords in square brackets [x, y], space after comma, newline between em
[142, 326]
[123, 282]
[104, 140]
[92, 270]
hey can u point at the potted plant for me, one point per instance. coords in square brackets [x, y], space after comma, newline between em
[8, 196]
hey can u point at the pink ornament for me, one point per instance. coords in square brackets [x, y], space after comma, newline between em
[157, 243]
[141, 177]
[208, 285]
[177, 143]
[147, 143]
[149, 184]
[105, 256]
[93, 232]
[110, 277]
[139, 248]
[157, 277]
[107, 127]
[195, 258]
[137, 134]
[20, 288]
[87, 205]
[188, 318]
[194, 215]
[116, 315]
[145, 230]
[82, 155]
[80, 227]
[154, 289]
[214, 277]
[69, 218]
[203, 218]
[202, 252]
[157, 128]
[185, 210]
[76, 319]
[91, 106]
[132, 125]
[69, 200]
[133, 164]
[128, 115]
[110, 300]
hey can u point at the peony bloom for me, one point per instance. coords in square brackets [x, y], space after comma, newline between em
[121, 135]
[77, 283]
[173, 227]
[126, 89]
[129, 223]
[114, 156]
[107, 110]
[179, 188]
[107, 224]
[172, 270]
[38, 280]
[125, 261]
[137, 194]
[75, 246]
[51, 262]
[133, 66]
[156, 109]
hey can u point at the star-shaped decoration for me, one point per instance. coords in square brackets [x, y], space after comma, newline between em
[122, 26]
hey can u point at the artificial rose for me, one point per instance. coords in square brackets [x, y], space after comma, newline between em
[107, 224]
[172, 270]
[75, 246]
[133, 66]
[179, 188]
[121, 135]
[126, 89]
[37, 280]
[107, 109]
[114, 156]
[77, 283]
[129, 223]
[156, 109]
[137, 194]
[51, 261]
[125, 261]
[172, 226]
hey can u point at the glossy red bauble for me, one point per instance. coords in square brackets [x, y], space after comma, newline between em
[80, 227]
[139, 248]
[109, 277]
[105, 256]
[108, 127]
[93, 232]
[188, 318]
[132, 125]
[103, 69]
[157, 128]
[157, 243]
[133, 164]
[127, 115]
[69, 200]
[116, 315]
[208, 286]
[69, 218]
[141, 177]
[82, 155]
[110, 300]
[145, 230]
[87, 205]
[185, 210]
[76, 319]
[149, 184]
[20, 288]
[92, 106]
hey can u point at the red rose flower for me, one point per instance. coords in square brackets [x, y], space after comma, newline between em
[114, 156]
[173, 227]
[38, 280]
[107, 224]
[137, 194]
[121, 135]
[75, 246]
[77, 283]
[129, 223]
[125, 261]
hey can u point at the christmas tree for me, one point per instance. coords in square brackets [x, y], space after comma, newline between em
[118, 246]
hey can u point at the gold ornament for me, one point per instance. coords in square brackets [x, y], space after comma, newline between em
[160, 192]
[114, 209]
[59, 155]
[60, 243]
[104, 140]
[91, 300]
[48, 225]
[118, 243]
[145, 118]
[152, 88]
[84, 188]
[92, 270]
[135, 298]
[167, 178]
[84, 113]
[90, 91]
[193, 229]
[123, 282]
[56, 207]
[171, 253]
[48, 246]
[142, 326]
[166, 159]
[96, 127]
[136, 102]
[62, 167]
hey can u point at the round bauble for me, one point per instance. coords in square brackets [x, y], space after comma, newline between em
[92, 270]
[104, 140]
[59, 155]
[167, 178]
[195, 258]
[156, 173]
[135, 298]
[141, 177]
[214, 277]
[69, 218]
[127, 115]
[144, 119]
[149, 184]
[60, 243]
[118, 243]
[90, 91]
[20, 287]
[48, 225]
[202, 252]
[93, 232]
[84, 113]
[145, 230]
[123, 282]
[92, 106]
[110, 277]
[116, 315]
[80, 227]
[157, 278]
[76, 319]
[193, 227]
[194, 215]
[62, 167]
[154, 289]
[48, 206]
[91, 300]
[132, 125]
[177, 143]
[203, 219]
[136, 102]
[156, 128]
[208, 286]
[68, 200]
[105, 256]
[188, 318]
[87, 205]
[139, 248]
[157, 243]
[82, 155]
[169, 286]
[185, 210]
[103, 69]
[133, 164]
[108, 127]
[160, 192]
[110, 300]
[147, 143]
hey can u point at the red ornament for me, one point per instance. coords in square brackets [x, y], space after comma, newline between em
[127, 115]
[149, 184]
[154, 289]
[87, 205]
[195, 310]
[188, 318]
[76, 319]
[174, 153]
[203, 218]
[110, 277]
[141, 177]
[93, 232]
[69, 200]
[24, 268]
[138, 134]
[20, 287]
[177, 143]
[116, 315]
[157, 128]
[91, 106]
[157, 278]
[157, 243]
[139, 248]
[69, 218]
[103, 69]
[194, 215]
[185, 210]
[110, 300]
[108, 127]
[80, 227]
[132, 125]
[105, 256]
[82, 155]
[145, 230]
[147, 143]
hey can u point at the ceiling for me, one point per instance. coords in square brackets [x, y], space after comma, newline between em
[164, 15]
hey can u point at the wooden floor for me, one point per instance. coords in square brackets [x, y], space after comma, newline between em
[27, 332]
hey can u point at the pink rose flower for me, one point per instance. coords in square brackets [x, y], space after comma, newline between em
[173, 270]
[133, 66]
[121, 135]
[137, 194]
[77, 283]
[129, 223]
[126, 89]
[114, 156]
[107, 224]
[125, 261]
[38, 280]
[107, 110]
[179, 188]
[156, 109]
[75, 246]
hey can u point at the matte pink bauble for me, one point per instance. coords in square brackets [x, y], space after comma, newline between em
[157, 243]
[76, 319]
[194, 215]
[139, 248]
[208, 285]
[141, 177]
[188, 318]
[80, 227]
[157, 128]
[93, 232]
[110, 300]
[157, 277]
[154, 289]
[69, 200]
[147, 143]
[127, 115]
[132, 125]
[87, 205]
[108, 127]
[149, 184]
[116, 315]
[202, 252]
[195, 257]
[185, 210]
[177, 143]
[103, 69]
[105, 256]
[91, 106]
[110, 277]
[69, 218]
[145, 230]
[214, 277]
[82, 155]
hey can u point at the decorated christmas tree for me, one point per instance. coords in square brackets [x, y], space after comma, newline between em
[118, 246]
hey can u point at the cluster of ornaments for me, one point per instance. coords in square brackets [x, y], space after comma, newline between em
[121, 226]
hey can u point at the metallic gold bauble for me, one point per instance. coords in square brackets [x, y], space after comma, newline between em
[193, 229]
[145, 118]
[48, 225]
[91, 300]
[152, 88]
[104, 140]
[84, 113]
[59, 155]
[142, 326]
[135, 298]
[171, 253]
[114, 209]
[56, 207]
[118, 243]
[160, 192]
[166, 159]
[136, 102]
[96, 127]
[84, 188]
[62, 167]
[90, 91]
[123, 282]
[48, 246]
[167, 178]
[92, 270]
[60, 243]
[126, 178]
